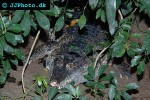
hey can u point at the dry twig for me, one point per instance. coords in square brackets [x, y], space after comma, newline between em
[25, 66]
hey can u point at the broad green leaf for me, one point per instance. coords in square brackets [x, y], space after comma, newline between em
[101, 14]
[19, 38]
[3, 77]
[18, 14]
[108, 77]
[140, 67]
[54, 11]
[19, 54]
[15, 28]
[38, 89]
[117, 96]
[111, 15]
[42, 20]
[83, 98]
[91, 71]
[125, 95]
[102, 69]
[14, 61]
[9, 49]
[6, 66]
[136, 35]
[39, 81]
[127, 9]
[78, 91]
[93, 3]
[10, 37]
[26, 24]
[118, 3]
[45, 83]
[63, 97]
[52, 92]
[37, 98]
[59, 23]
[135, 61]
[88, 77]
[146, 42]
[119, 50]
[101, 86]
[131, 86]
[90, 84]
[144, 6]
[2, 40]
[71, 89]
[112, 92]
[82, 21]
[33, 24]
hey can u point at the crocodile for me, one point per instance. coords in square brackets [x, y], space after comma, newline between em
[67, 57]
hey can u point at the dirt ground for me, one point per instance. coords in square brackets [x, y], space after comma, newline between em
[14, 90]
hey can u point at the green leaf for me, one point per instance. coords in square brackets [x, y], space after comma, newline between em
[102, 69]
[140, 67]
[91, 71]
[108, 77]
[63, 97]
[119, 50]
[14, 61]
[93, 3]
[127, 9]
[45, 83]
[59, 23]
[19, 38]
[18, 14]
[54, 11]
[38, 89]
[135, 61]
[117, 96]
[131, 86]
[101, 13]
[90, 84]
[118, 2]
[26, 24]
[125, 95]
[83, 98]
[112, 92]
[10, 37]
[88, 77]
[3, 77]
[9, 49]
[52, 92]
[101, 86]
[42, 20]
[15, 28]
[78, 91]
[146, 42]
[111, 15]
[19, 54]
[82, 21]
[6, 66]
[39, 81]
[71, 89]
[136, 35]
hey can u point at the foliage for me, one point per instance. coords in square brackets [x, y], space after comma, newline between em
[14, 28]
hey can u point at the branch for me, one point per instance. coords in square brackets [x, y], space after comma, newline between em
[120, 14]
[100, 54]
[25, 66]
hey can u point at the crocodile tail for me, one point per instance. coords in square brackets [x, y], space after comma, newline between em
[39, 52]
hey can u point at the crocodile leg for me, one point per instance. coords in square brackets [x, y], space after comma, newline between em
[40, 52]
